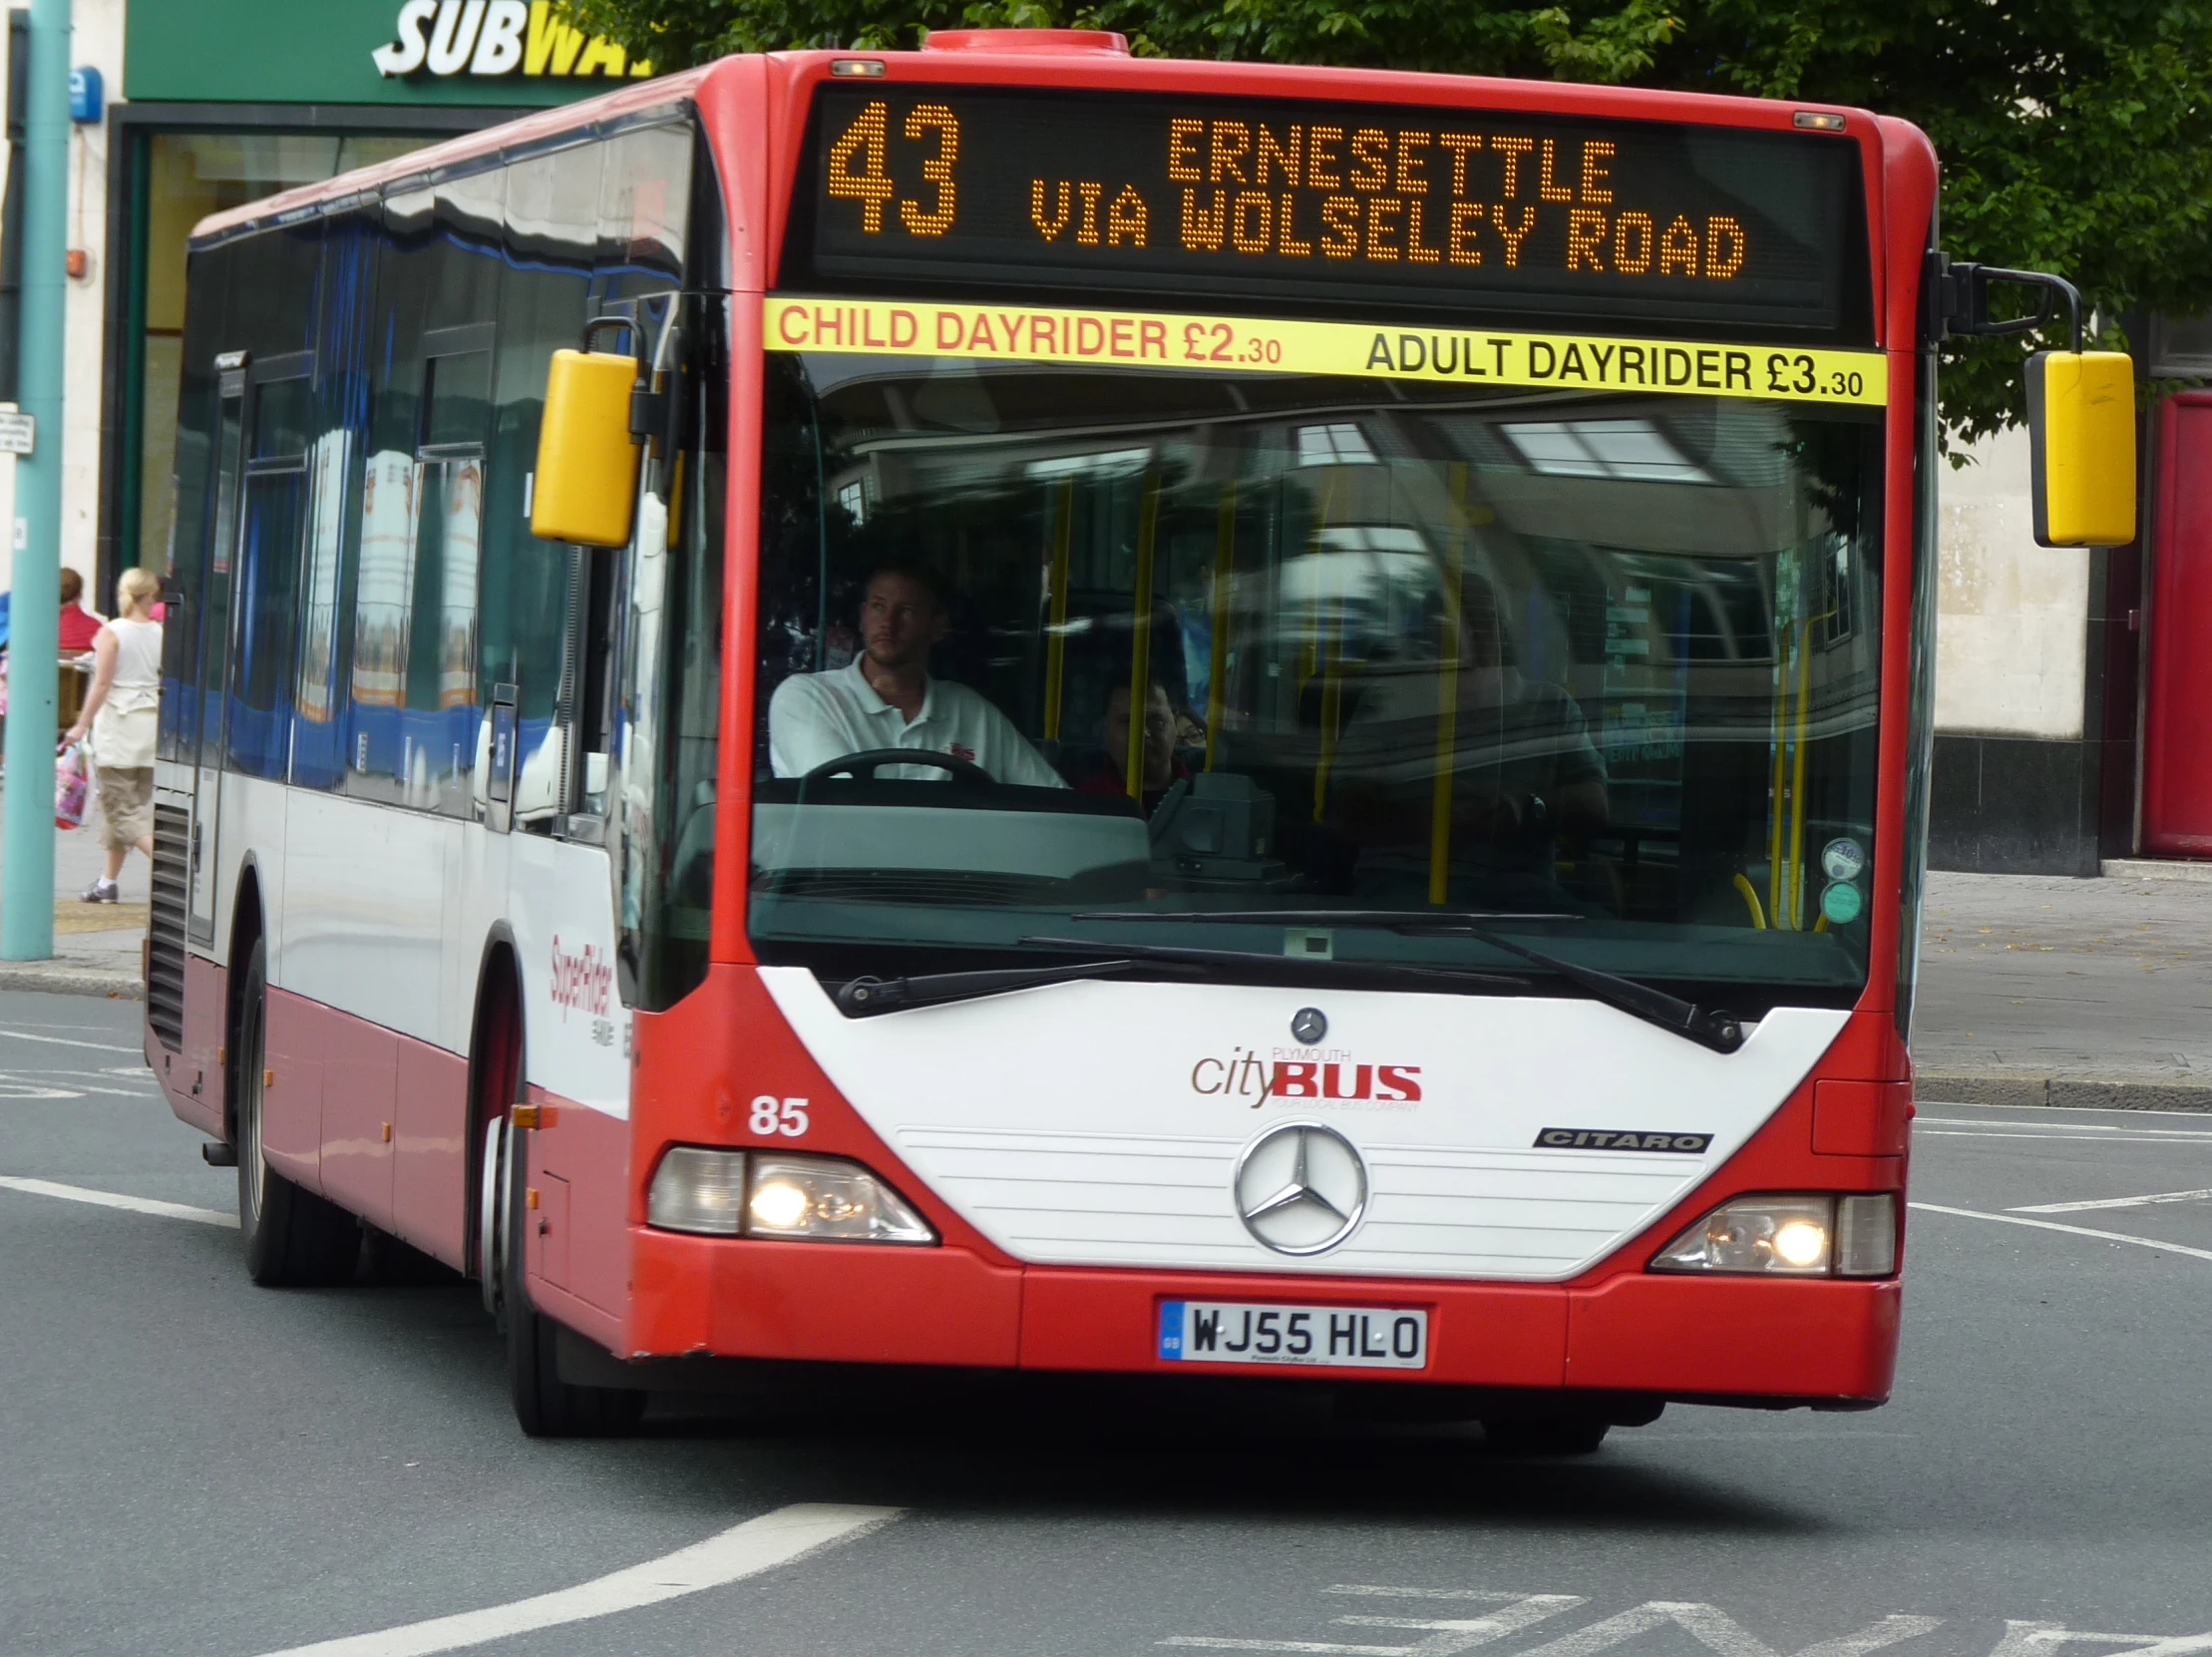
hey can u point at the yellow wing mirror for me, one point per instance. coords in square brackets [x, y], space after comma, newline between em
[2081, 446]
[586, 485]
[2081, 407]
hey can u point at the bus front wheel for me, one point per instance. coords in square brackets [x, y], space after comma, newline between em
[545, 1405]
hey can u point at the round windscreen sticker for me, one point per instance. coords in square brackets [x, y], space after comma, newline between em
[1841, 903]
[1843, 860]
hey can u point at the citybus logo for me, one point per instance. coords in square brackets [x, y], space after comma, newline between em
[493, 38]
[1317, 1075]
[580, 982]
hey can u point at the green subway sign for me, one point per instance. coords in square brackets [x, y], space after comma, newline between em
[364, 52]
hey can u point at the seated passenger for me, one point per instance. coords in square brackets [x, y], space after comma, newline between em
[887, 698]
[1523, 772]
[1109, 774]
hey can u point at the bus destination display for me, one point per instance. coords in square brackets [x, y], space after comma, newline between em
[1476, 209]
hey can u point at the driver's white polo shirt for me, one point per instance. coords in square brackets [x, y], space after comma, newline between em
[817, 717]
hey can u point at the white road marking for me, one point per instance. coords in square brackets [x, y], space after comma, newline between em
[2127, 1129]
[1721, 1634]
[1940, 1127]
[1211, 1642]
[116, 1199]
[1710, 1627]
[743, 1551]
[2112, 1202]
[2038, 1639]
[2075, 1230]
[1446, 1637]
[64, 1040]
[13, 1089]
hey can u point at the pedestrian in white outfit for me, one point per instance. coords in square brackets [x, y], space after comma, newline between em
[122, 711]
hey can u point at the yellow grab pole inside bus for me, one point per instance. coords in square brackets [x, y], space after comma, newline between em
[1447, 693]
[1225, 569]
[1055, 637]
[1140, 636]
[1779, 781]
[1797, 778]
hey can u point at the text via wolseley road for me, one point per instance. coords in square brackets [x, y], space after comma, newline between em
[1139, 340]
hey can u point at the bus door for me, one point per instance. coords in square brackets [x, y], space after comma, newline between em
[204, 741]
[261, 485]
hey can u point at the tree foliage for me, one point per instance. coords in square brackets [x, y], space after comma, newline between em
[2075, 135]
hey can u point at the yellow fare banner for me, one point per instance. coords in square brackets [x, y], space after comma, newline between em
[1359, 350]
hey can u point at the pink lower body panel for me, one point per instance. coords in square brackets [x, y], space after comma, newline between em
[192, 1078]
[375, 1120]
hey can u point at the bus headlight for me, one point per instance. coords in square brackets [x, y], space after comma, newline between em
[735, 1193]
[1791, 1236]
[829, 1198]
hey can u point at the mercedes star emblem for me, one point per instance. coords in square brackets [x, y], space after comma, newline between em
[1309, 1024]
[1301, 1189]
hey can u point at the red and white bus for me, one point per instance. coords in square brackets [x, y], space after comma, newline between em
[1015, 708]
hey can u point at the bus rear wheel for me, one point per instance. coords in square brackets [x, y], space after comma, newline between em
[1556, 1437]
[293, 1238]
[545, 1405]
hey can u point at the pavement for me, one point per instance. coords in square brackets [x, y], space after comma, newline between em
[2050, 991]
[202, 1468]
[2034, 989]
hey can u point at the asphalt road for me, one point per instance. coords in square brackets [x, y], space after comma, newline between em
[191, 1466]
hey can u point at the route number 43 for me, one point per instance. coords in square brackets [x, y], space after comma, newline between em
[785, 1116]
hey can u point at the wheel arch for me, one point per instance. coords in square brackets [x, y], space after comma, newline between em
[495, 1057]
[247, 923]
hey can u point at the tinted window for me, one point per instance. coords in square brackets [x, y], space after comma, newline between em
[269, 573]
[550, 241]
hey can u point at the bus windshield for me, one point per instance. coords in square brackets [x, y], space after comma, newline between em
[1602, 668]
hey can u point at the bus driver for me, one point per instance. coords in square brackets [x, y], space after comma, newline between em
[887, 698]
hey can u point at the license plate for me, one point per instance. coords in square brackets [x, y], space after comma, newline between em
[1340, 1337]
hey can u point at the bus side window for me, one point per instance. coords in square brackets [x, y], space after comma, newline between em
[272, 518]
[449, 522]
[548, 239]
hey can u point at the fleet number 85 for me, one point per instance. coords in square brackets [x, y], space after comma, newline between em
[785, 1116]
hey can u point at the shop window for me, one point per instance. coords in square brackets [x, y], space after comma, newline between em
[2181, 348]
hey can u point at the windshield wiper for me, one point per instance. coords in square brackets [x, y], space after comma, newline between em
[1379, 972]
[861, 997]
[1712, 1028]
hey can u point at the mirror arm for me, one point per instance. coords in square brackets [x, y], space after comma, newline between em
[1962, 293]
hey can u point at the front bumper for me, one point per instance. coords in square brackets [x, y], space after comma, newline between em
[1809, 1341]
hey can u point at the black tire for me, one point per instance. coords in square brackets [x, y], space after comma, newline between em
[545, 1405]
[293, 1238]
[1545, 1438]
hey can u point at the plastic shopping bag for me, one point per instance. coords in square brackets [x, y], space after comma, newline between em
[70, 788]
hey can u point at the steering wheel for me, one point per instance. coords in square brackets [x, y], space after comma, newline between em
[865, 765]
